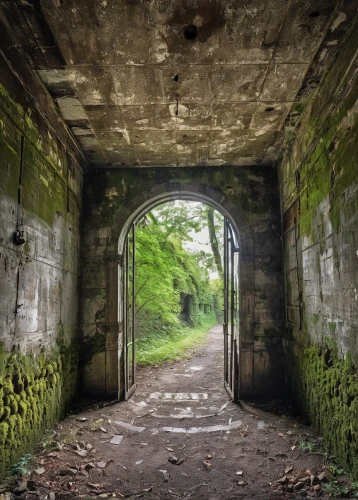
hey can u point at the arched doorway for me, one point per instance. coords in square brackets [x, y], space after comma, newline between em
[231, 314]
[249, 202]
[240, 352]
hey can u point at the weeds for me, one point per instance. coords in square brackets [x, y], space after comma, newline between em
[354, 487]
[21, 467]
[333, 489]
[95, 425]
[339, 489]
[307, 446]
[336, 471]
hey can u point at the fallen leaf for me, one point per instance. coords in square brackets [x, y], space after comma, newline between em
[39, 471]
[95, 486]
[68, 472]
[81, 453]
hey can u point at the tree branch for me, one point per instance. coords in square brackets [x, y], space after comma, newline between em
[146, 302]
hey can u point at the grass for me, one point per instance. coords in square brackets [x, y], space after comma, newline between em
[154, 349]
[307, 446]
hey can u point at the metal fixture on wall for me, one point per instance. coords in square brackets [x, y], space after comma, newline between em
[19, 238]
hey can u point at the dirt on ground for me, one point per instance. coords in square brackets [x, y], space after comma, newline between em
[179, 436]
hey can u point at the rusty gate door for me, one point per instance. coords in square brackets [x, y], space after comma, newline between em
[129, 315]
[231, 309]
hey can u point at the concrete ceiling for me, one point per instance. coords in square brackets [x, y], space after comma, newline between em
[138, 85]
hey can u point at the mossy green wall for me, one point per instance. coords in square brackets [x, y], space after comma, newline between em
[40, 189]
[35, 392]
[325, 386]
[319, 202]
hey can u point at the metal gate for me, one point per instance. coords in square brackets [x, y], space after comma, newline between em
[129, 315]
[231, 309]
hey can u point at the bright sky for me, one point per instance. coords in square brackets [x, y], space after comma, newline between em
[201, 241]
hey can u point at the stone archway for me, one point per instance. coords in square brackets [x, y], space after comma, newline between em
[125, 198]
[140, 205]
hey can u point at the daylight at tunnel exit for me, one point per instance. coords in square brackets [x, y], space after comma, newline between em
[178, 249]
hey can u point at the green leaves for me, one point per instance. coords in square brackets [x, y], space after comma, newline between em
[166, 271]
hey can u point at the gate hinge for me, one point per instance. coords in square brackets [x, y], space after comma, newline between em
[118, 258]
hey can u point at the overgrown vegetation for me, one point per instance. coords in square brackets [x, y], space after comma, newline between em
[156, 348]
[176, 299]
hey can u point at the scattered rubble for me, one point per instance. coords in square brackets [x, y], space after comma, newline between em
[116, 439]
[303, 481]
[165, 474]
[175, 460]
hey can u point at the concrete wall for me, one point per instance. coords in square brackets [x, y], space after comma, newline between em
[40, 190]
[250, 197]
[319, 198]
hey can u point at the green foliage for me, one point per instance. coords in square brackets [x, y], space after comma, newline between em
[307, 446]
[21, 467]
[166, 272]
[354, 488]
[173, 288]
[336, 471]
[217, 287]
[160, 347]
[335, 490]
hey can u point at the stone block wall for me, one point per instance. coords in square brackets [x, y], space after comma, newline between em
[319, 202]
[250, 196]
[40, 194]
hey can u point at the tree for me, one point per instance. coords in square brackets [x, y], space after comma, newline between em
[214, 241]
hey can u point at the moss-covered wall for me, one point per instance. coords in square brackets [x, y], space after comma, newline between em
[35, 392]
[113, 194]
[319, 196]
[40, 194]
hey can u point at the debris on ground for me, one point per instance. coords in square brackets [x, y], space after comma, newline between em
[207, 464]
[175, 460]
[165, 474]
[116, 439]
[246, 451]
